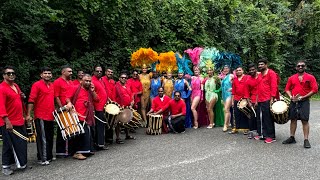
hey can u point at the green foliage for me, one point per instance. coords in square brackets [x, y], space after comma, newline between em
[84, 33]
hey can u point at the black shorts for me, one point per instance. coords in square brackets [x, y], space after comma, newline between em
[299, 110]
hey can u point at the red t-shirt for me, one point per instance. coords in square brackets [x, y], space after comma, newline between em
[76, 82]
[110, 87]
[123, 94]
[268, 86]
[61, 88]
[251, 88]
[307, 85]
[81, 103]
[11, 104]
[158, 104]
[135, 86]
[42, 96]
[176, 107]
[101, 92]
[238, 87]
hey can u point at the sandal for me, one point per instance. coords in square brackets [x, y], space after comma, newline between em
[119, 141]
[130, 137]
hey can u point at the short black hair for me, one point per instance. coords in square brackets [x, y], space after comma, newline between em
[45, 68]
[94, 68]
[263, 60]
[177, 92]
[123, 73]
[7, 67]
[251, 65]
[301, 61]
[65, 67]
[108, 67]
[135, 70]
[160, 88]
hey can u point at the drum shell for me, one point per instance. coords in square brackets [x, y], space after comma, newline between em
[243, 106]
[280, 117]
[154, 124]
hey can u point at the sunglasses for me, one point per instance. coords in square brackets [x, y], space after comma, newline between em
[301, 65]
[123, 77]
[99, 71]
[176, 95]
[135, 74]
[10, 73]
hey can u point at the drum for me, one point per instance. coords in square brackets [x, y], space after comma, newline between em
[31, 131]
[125, 118]
[243, 107]
[137, 119]
[154, 124]
[68, 123]
[280, 112]
[112, 109]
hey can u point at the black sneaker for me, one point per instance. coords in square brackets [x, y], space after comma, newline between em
[290, 140]
[306, 144]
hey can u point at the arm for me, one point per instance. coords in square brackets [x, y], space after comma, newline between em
[187, 84]
[314, 85]
[32, 98]
[3, 111]
[273, 85]
[56, 87]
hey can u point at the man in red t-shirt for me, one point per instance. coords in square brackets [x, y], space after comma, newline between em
[136, 88]
[267, 91]
[41, 99]
[300, 87]
[124, 98]
[83, 97]
[109, 84]
[158, 103]
[177, 108]
[238, 92]
[100, 89]
[61, 88]
[14, 148]
[79, 78]
[251, 96]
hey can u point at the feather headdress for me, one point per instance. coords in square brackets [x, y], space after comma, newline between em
[207, 57]
[227, 59]
[168, 62]
[194, 55]
[143, 57]
[183, 64]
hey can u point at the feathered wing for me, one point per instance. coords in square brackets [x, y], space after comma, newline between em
[143, 56]
[186, 68]
[230, 59]
[194, 55]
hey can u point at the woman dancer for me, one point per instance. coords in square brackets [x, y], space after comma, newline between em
[196, 96]
[168, 85]
[146, 82]
[226, 86]
[155, 84]
[211, 96]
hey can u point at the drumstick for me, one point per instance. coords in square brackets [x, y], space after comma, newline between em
[19, 135]
[254, 112]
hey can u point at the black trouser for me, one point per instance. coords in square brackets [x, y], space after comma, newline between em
[242, 121]
[44, 139]
[62, 146]
[14, 149]
[99, 133]
[264, 120]
[253, 122]
[176, 124]
[82, 143]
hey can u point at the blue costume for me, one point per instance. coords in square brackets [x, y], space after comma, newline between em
[155, 84]
[185, 94]
[226, 85]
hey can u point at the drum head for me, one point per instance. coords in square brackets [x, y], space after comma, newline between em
[243, 103]
[125, 116]
[112, 109]
[279, 107]
[155, 115]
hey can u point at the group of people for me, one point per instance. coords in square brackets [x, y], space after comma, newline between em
[182, 101]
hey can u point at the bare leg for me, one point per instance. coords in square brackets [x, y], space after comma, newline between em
[194, 105]
[227, 113]
[144, 104]
[293, 127]
[210, 107]
[305, 128]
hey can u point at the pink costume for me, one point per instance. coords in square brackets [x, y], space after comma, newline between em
[196, 87]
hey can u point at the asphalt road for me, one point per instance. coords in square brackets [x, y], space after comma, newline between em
[196, 154]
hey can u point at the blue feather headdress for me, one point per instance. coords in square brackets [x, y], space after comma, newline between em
[227, 59]
[183, 64]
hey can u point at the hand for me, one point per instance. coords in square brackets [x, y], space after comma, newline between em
[69, 106]
[9, 126]
[230, 90]
[29, 118]
[173, 116]
[92, 88]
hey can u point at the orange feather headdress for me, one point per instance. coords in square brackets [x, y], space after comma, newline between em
[168, 62]
[143, 58]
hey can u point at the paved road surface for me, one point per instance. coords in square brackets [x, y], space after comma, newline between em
[197, 154]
